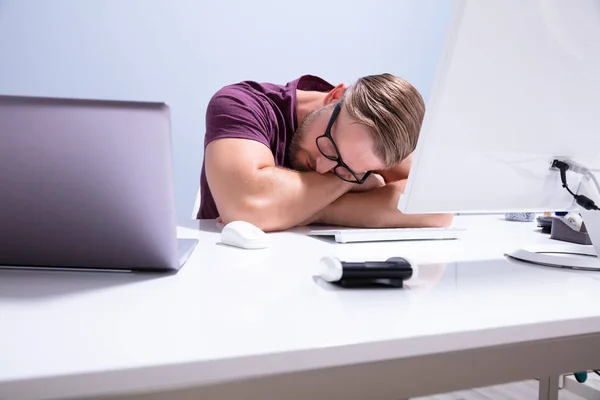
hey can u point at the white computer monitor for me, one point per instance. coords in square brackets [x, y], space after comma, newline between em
[518, 85]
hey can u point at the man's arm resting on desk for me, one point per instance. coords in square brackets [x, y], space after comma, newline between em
[377, 208]
[246, 185]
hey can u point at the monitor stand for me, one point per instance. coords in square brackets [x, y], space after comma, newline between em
[584, 257]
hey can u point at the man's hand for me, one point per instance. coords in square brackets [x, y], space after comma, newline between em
[374, 181]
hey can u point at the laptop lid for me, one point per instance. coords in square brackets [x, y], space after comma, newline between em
[86, 184]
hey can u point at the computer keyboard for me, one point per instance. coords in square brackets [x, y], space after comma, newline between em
[350, 235]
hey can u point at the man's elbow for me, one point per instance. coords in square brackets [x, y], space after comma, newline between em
[439, 220]
[259, 215]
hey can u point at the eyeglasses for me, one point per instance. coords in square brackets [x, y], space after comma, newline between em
[329, 149]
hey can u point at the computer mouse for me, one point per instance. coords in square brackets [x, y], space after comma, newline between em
[244, 235]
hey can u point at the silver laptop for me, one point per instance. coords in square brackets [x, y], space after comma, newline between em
[87, 184]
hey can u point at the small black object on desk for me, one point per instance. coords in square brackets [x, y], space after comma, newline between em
[390, 273]
[545, 223]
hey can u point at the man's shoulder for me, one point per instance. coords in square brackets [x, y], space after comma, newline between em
[246, 109]
[255, 109]
[245, 95]
[256, 89]
[251, 87]
[245, 90]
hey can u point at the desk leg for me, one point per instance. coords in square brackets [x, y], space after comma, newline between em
[548, 388]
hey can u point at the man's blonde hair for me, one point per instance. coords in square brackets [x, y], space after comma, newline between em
[392, 108]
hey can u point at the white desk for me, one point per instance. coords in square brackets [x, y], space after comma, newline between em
[256, 324]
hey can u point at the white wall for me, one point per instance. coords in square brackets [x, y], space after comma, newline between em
[182, 51]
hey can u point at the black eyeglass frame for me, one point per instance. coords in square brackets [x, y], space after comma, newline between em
[338, 158]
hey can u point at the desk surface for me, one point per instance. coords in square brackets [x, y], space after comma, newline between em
[232, 313]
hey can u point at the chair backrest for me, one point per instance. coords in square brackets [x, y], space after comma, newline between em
[196, 206]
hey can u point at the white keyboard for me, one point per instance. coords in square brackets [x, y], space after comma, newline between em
[350, 235]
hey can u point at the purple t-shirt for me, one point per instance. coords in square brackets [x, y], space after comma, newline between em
[264, 112]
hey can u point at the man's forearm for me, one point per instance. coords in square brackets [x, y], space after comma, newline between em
[377, 208]
[286, 198]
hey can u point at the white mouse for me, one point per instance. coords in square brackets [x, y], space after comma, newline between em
[244, 235]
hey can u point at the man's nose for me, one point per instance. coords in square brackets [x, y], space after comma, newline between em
[324, 165]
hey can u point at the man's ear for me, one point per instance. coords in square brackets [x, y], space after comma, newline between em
[335, 94]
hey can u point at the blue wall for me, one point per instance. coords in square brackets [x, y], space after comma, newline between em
[181, 51]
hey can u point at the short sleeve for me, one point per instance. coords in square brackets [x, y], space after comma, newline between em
[237, 111]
